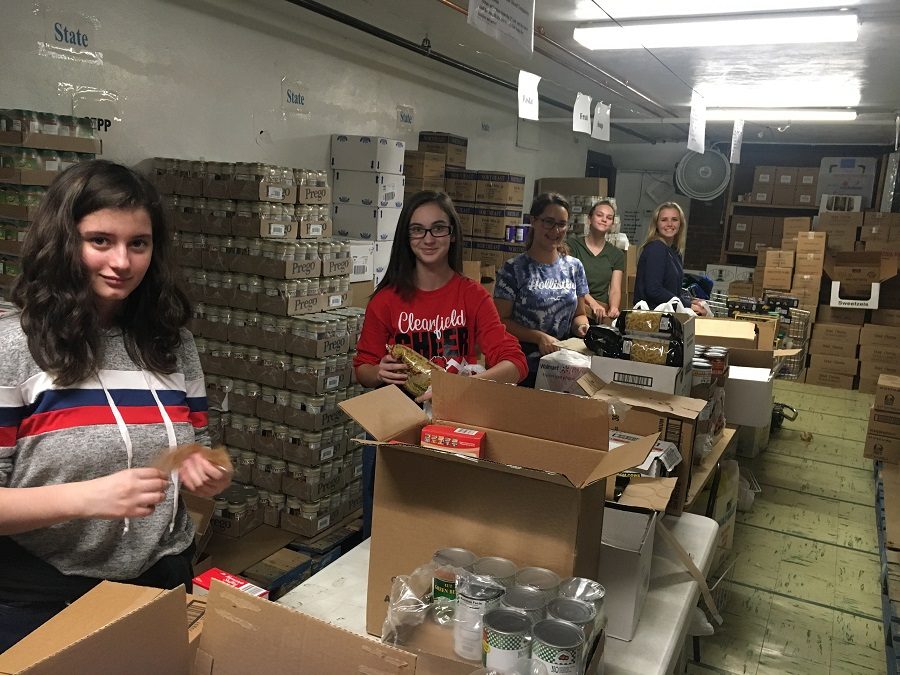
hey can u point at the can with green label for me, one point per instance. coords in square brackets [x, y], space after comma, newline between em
[557, 645]
[443, 587]
[505, 638]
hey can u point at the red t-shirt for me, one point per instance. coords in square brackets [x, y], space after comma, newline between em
[450, 326]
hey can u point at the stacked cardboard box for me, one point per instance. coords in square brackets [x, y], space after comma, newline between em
[269, 287]
[423, 171]
[778, 269]
[369, 190]
[879, 353]
[880, 231]
[834, 358]
[883, 434]
[784, 186]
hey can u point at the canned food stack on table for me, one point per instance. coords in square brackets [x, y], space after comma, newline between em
[34, 148]
[500, 614]
[274, 338]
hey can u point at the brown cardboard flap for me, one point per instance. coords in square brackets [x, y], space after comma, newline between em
[575, 345]
[681, 406]
[385, 412]
[649, 493]
[97, 633]
[890, 474]
[623, 458]
[527, 412]
[200, 509]
[243, 634]
[236, 555]
[725, 333]
[591, 383]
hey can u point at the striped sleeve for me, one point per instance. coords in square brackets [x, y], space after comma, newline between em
[195, 389]
[12, 411]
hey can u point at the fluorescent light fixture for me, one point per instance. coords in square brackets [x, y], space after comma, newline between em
[588, 10]
[806, 88]
[753, 30]
[779, 115]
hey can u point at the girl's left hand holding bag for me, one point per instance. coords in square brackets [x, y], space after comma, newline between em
[204, 471]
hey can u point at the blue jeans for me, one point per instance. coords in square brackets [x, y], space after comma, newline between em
[368, 488]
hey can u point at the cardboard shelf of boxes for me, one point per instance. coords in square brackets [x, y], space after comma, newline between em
[29, 161]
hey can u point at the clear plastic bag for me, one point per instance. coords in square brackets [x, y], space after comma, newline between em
[409, 604]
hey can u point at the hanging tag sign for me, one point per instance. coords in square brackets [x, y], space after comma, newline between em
[510, 22]
[697, 129]
[601, 122]
[528, 95]
[737, 139]
[581, 114]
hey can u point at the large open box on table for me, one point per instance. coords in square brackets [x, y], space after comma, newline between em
[536, 497]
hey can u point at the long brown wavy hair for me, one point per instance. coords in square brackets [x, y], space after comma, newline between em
[53, 292]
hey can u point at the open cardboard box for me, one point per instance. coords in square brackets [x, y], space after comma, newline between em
[854, 269]
[536, 497]
[642, 412]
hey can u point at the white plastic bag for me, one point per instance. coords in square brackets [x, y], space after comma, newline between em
[560, 371]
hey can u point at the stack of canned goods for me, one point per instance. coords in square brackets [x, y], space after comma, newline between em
[30, 121]
[712, 360]
[246, 171]
[501, 614]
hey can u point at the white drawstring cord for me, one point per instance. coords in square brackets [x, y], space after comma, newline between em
[173, 442]
[123, 431]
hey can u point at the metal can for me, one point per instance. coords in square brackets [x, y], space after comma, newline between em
[582, 614]
[444, 580]
[522, 233]
[475, 598]
[501, 570]
[593, 592]
[718, 359]
[540, 578]
[510, 233]
[526, 599]
[557, 645]
[505, 638]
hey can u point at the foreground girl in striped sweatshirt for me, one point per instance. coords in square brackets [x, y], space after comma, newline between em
[98, 375]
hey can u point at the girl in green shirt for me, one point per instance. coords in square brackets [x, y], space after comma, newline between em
[603, 263]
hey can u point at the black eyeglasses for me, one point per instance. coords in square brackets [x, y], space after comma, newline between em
[437, 231]
[549, 224]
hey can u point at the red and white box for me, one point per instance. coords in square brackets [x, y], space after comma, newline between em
[203, 581]
[453, 439]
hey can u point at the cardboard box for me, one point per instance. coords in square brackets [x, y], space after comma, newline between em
[844, 334]
[382, 259]
[542, 479]
[784, 195]
[792, 226]
[203, 581]
[829, 314]
[786, 175]
[764, 175]
[840, 220]
[808, 176]
[367, 153]
[826, 378]
[107, 630]
[887, 393]
[884, 336]
[811, 242]
[777, 258]
[368, 188]
[808, 283]
[625, 559]
[762, 228]
[500, 187]
[365, 222]
[761, 194]
[805, 196]
[740, 225]
[280, 572]
[362, 253]
[879, 354]
[831, 347]
[726, 333]
[777, 278]
[461, 185]
[867, 385]
[886, 317]
[593, 187]
[452, 147]
[835, 364]
[493, 222]
[739, 243]
[741, 288]
[466, 213]
[809, 263]
[424, 165]
[28, 139]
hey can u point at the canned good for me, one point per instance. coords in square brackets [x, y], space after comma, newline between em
[501, 570]
[443, 584]
[537, 577]
[557, 645]
[582, 614]
[511, 232]
[475, 598]
[505, 638]
[526, 599]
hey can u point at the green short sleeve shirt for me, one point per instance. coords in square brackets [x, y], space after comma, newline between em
[599, 268]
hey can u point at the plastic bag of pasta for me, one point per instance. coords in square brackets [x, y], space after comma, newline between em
[418, 369]
[638, 322]
[658, 351]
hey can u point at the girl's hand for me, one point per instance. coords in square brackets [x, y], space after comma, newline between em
[698, 308]
[580, 329]
[132, 493]
[425, 397]
[612, 313]
[391, 370]
[546, 344]
[202, 477]
[595, 309]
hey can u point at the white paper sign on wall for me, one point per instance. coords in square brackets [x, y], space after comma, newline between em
[71, 36]
[581, 114]
[293, 97]
[697, 129]
[600, 129]
[528, 95]
[737, 139]
[510, 22]
[406, 117]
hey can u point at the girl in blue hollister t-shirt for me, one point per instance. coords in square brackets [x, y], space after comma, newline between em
[540, 293]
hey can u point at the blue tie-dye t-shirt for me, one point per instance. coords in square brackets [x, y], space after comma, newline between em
[544, 297]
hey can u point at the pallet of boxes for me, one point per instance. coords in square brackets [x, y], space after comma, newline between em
[275, 339]
[34, 148]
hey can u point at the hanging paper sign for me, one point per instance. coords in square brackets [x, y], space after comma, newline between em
[406, 117]
[737, 139]
[697, 129]
[71, 36]
[601, 122]
[528, 95]
[510, 22]
[293, 97]
[581, 114]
